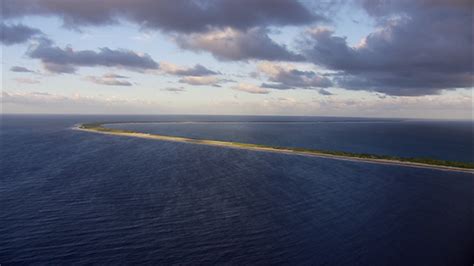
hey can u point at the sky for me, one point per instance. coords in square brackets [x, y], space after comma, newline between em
[363, 58]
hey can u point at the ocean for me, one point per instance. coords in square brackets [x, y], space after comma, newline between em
[69, 196]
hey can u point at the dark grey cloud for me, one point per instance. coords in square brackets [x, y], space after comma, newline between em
[67, 60]
[177, 16]
[230, 44]
[21, 69]
[248, 19]
[284, 78]
[109, 79]
[419, 48]
[17, 33]
[380, 9]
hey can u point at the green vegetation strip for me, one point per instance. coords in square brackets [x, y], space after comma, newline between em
[416, 162]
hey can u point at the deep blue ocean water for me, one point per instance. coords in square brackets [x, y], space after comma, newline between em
[445, 140]
[76, 197]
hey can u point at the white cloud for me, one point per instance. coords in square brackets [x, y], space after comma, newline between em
[43, 102]
[199, 81]
[197, 70]
[174, 89]
[109, 79]
[27, 81]
[446, 106]
[250, 88]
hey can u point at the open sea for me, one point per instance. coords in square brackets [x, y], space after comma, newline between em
[73, 197]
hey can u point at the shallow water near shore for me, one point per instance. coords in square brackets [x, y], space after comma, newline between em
[76, 197]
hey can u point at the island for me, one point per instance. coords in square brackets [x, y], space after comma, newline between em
[338, 155]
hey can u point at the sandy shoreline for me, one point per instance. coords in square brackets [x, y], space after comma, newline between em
[252, 147]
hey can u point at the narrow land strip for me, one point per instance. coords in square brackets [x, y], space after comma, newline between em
[367, 158]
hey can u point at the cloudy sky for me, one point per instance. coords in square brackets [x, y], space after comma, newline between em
[377, 58]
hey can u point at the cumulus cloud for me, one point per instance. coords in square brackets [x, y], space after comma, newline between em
[418, 48]
[231, 44]
[286, 77]
[67, 60]
[197, 70]
[230, 30]
[20, 69]
[110, 79]
[250, 88]
[200, 81]
[176, 16]
[17, 33]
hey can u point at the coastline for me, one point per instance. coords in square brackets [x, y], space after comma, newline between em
[98, 128]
